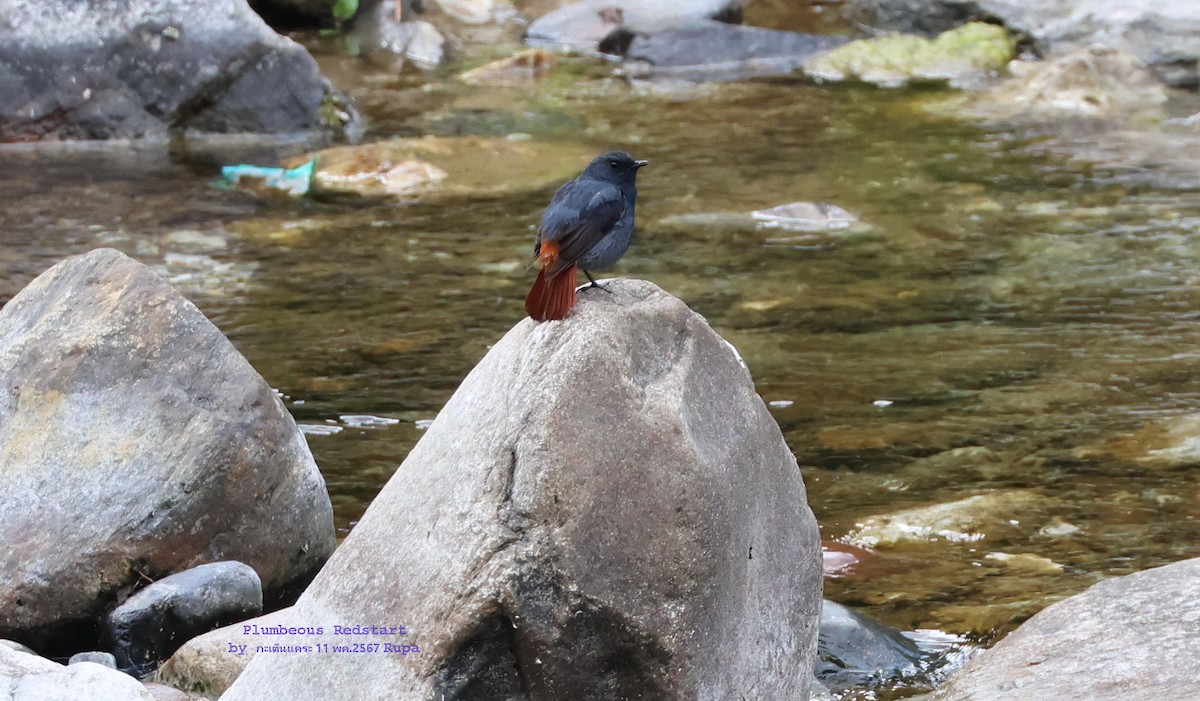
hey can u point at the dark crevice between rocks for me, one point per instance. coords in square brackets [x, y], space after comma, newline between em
[284, 17]
[618, 42]
[61, 640]
[285, 594]
[211, 93]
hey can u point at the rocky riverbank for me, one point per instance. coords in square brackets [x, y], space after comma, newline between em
[962, 281]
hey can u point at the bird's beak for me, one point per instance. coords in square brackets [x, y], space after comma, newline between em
[640, 164]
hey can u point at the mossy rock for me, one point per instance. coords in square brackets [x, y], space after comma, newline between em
[959, 54]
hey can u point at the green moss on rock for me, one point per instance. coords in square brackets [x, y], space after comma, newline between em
[967, 51]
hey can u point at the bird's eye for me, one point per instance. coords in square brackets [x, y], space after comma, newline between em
[614, 164]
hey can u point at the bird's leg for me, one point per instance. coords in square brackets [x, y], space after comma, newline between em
[595, 284]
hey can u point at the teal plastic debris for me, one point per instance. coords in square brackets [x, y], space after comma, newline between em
[295, 181]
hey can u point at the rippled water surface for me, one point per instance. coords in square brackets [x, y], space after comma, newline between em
[1009, 318]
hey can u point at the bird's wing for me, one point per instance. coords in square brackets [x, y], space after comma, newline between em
[577, 222]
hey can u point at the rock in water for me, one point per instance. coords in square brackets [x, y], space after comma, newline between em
[857, 650]
[604, 509]
[589, 24]
[135, 441]
[711, 50]
[146, 68]
[1129, 638]
[961, 56]
[393, 44]
[152, 624]
[1163, 34]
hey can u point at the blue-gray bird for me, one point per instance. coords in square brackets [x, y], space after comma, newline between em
[588, 225]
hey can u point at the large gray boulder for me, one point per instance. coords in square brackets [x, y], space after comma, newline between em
[1163, 34]
[148, 68]
[1130, 638]
[603, 510]
[135, 442]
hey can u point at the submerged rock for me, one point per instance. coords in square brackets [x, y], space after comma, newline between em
[442, 165]
[147, 68]
[1163, 34]
[958, 55]
[959, 521]
[152, 624]
[137, 442]
[523, 68]
[1094, 83]
[805, 216]
[602, 510]
[1129, 638]
[1165, 444]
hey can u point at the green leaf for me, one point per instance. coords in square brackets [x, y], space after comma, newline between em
[344, 9]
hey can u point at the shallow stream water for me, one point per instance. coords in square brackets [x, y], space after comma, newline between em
[1006, 320]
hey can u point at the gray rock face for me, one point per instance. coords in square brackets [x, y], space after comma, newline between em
[146, 68]
[1130, 638]
[152, 624]
[586, 25]
[604, 509]
[1163, 34]
[25, 677]
[718, 51]
[135, 440]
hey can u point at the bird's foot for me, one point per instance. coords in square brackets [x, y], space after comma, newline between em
[594, 284]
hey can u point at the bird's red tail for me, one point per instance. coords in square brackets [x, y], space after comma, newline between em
[551, 299]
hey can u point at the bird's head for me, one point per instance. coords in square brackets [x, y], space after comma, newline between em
[615, 167]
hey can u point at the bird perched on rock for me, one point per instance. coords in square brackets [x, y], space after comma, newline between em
[588, 225]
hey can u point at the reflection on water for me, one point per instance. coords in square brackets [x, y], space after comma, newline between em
[1004, 320]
